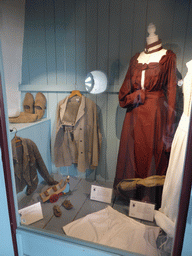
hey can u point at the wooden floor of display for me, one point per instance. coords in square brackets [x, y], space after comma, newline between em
[80, 198]
[82, 205]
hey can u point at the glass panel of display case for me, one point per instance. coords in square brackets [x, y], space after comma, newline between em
[107, 167]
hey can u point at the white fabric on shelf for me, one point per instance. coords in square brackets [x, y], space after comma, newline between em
[112, 228]
[13, 112]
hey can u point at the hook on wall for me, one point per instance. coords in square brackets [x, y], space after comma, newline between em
[11, 130]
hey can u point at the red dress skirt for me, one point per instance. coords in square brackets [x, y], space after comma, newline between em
[149, 121]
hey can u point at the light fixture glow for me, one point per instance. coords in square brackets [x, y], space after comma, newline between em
[96, 82]
[88, 79]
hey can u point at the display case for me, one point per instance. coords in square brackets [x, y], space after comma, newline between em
[107, 173]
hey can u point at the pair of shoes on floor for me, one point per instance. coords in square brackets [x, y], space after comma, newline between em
[57, 211]
[33, 109]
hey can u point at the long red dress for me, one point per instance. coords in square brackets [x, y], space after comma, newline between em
[149, 122]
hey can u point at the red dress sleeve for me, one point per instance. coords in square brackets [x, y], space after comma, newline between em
[126, 95]
[170, 66]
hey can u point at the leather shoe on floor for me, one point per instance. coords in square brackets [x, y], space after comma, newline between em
[67, 204]
[56, 210]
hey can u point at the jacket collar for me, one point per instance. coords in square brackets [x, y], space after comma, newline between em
[81, 110]
[25, 155]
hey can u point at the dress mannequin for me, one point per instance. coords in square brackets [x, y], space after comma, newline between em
[152, 53]
[166, 216]
[150, 113]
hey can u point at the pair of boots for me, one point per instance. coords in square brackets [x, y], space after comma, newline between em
[33, 109]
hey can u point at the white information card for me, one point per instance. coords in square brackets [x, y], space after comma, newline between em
[31, 214]
[101, 194]
[141, 210]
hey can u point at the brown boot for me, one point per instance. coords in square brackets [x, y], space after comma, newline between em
[28, 103]
[23, 118]
[40, 105]
[67, 204]
[57, 211]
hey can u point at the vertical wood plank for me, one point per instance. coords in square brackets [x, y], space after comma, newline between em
[112, 142]
[36, 42]
[25, 58]
[70, 43]
[91, 38]
[139, 26]
[103, 36]
[102, 111]
[46, 111]
[22, 99]
[92, 97]
[179, 31]
[80, 44]
[188, 39]
[51, 109]
[126, 39]
[114, 47]
[50, 41]
[62, 96]
[60, 42]
[161, 13]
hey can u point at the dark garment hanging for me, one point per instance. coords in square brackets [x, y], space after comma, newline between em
[27, 160]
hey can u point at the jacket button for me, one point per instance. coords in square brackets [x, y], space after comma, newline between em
[80, 140]
[81, 152]
[80, 128]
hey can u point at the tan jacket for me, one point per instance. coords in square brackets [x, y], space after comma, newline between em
[78, 137]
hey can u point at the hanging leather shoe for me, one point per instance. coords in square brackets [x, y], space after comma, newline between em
[28, 103]
[40, 105]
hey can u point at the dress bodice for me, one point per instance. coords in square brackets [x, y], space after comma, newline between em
[157, 74]
[147, 59]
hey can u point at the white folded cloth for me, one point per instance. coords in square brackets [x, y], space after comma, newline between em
[112, 228]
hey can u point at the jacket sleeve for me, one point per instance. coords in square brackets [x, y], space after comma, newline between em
[57, 139]
[40, 165]
[171, 97]
[126, 96]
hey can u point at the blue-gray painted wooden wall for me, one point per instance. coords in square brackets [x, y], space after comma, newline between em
[64, 40]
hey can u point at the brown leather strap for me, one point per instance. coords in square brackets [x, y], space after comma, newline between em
[147, 47]
[153, 44]
[156, 50]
